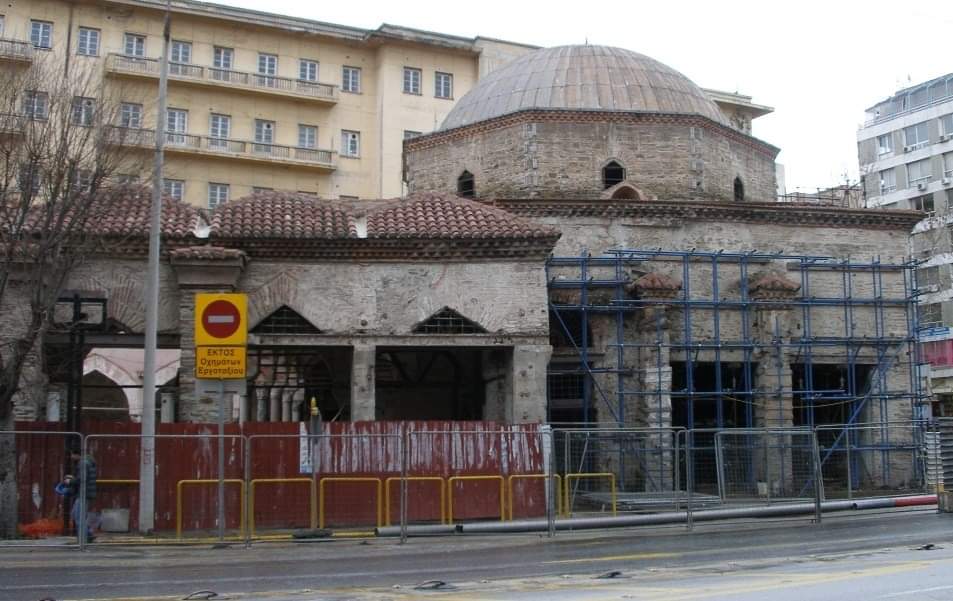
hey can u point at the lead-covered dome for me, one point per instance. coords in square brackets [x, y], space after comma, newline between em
[600, 78]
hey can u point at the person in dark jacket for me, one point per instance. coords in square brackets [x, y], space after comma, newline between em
[85, 474]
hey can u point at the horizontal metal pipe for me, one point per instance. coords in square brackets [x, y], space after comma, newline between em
[420, 530]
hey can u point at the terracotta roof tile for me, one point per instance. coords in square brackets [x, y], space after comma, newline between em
[281, 215]
[206, 253]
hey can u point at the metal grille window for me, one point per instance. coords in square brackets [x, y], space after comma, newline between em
[443, 85]
[919, 172]
[566, 386]
[217, 194]
[613, 173]
[350, 143]
[916, 136]
[448, 321]
[130, 115]
[930, 316]
[41, 34]
[36, 105]
[411, 80]
[307, 70]
[351, 80]
[928, 276]
[134, 45]
[285, 321]
[174, 188]
[83, 111]
[88, 42]
[307, 136]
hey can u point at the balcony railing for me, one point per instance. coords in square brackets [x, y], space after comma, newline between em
[16, 50]
[121, 63]
[225, 147]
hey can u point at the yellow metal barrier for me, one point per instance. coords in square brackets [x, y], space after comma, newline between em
[567, 507]
[178, 502]
[380, 495]
[313, 499]
[452, 479]
[443, 500]
[509, 490]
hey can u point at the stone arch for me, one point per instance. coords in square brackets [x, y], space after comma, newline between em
[624, 190]
[281, 290]
[114, 373]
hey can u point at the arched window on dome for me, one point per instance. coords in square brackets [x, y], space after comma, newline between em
[739, 190]
[612, 174]
[465, 185]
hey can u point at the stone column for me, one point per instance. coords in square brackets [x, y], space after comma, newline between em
[363, 385]
[528, 400]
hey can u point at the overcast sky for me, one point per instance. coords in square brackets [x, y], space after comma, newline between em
[819, 64]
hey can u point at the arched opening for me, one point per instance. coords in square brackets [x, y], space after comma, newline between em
[739, 190]
[465, 185]
[612, 174]
[625, 193]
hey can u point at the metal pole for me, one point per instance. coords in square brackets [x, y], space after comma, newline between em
[404, 449]
[221, 460]
[147, 456]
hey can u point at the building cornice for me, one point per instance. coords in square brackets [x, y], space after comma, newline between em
[532, 115]
[692, 210]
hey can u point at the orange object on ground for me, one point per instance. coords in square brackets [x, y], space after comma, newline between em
[42, 528]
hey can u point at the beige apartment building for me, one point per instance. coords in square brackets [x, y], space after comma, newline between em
[257, 100]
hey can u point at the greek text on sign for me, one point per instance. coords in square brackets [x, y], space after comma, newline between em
[221, 319]
[220, 362]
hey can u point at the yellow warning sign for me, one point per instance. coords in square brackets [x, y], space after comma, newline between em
[220, 362]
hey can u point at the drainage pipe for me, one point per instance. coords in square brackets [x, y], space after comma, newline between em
[421, 530]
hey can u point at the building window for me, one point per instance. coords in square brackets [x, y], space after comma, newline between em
[930, 316]
[946, 123]
[267, 64]
[29, 179]
[180, 53]
[264, 133]
[922, 203]
[348, 197]
[2, 24]
[884, 144]
[36, 105]
[219, 130]
[411, 80]
[916, 136]
[612, 174]
[217, 194]
[350, 143]
[222, 58]
[443, 85]
[408, 134]
[307, 136]
[888, 180]
[41, 34]
[928, 276]
[88, 42]
[134, 45]
[739, 190]
[465, 185]
[308, 70]
[948, 165]
[176, 125]
[130, 115]
[351, 80]
[83, 110]
[919, 172]
[260, 189]
[174, 188]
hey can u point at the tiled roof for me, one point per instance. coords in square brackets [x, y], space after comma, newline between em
[206, 253]
[430, 215]
[281, 215]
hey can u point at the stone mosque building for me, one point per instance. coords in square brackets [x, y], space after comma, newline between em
[588, 238]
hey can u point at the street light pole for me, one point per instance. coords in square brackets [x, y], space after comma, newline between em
[147, 471]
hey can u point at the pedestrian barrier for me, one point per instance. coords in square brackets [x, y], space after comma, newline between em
[454, 479]
[567, 503]
[343, 479]
[178, 501]
[557, 492]
[312, 498]
[440, 485]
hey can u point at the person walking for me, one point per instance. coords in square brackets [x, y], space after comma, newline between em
[85, 476]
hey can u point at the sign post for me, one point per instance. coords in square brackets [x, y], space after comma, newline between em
[221, 335]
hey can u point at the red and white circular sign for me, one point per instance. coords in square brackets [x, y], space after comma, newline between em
[221, 319]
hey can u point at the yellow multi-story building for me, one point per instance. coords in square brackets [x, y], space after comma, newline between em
[258, 100]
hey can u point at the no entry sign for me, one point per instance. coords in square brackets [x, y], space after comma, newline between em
[221, 320]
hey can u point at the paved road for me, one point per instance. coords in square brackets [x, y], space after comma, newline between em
[861, 556]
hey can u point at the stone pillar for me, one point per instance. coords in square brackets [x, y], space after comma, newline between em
[363, 385]
[274, 407]
[528, 368]
[497, 389]
[200, 269]
[261, 404]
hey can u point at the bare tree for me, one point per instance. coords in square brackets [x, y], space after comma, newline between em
[62, 164]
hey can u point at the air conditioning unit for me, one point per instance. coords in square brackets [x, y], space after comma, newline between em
[946, 181]
[921, 186]
[907, 148]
